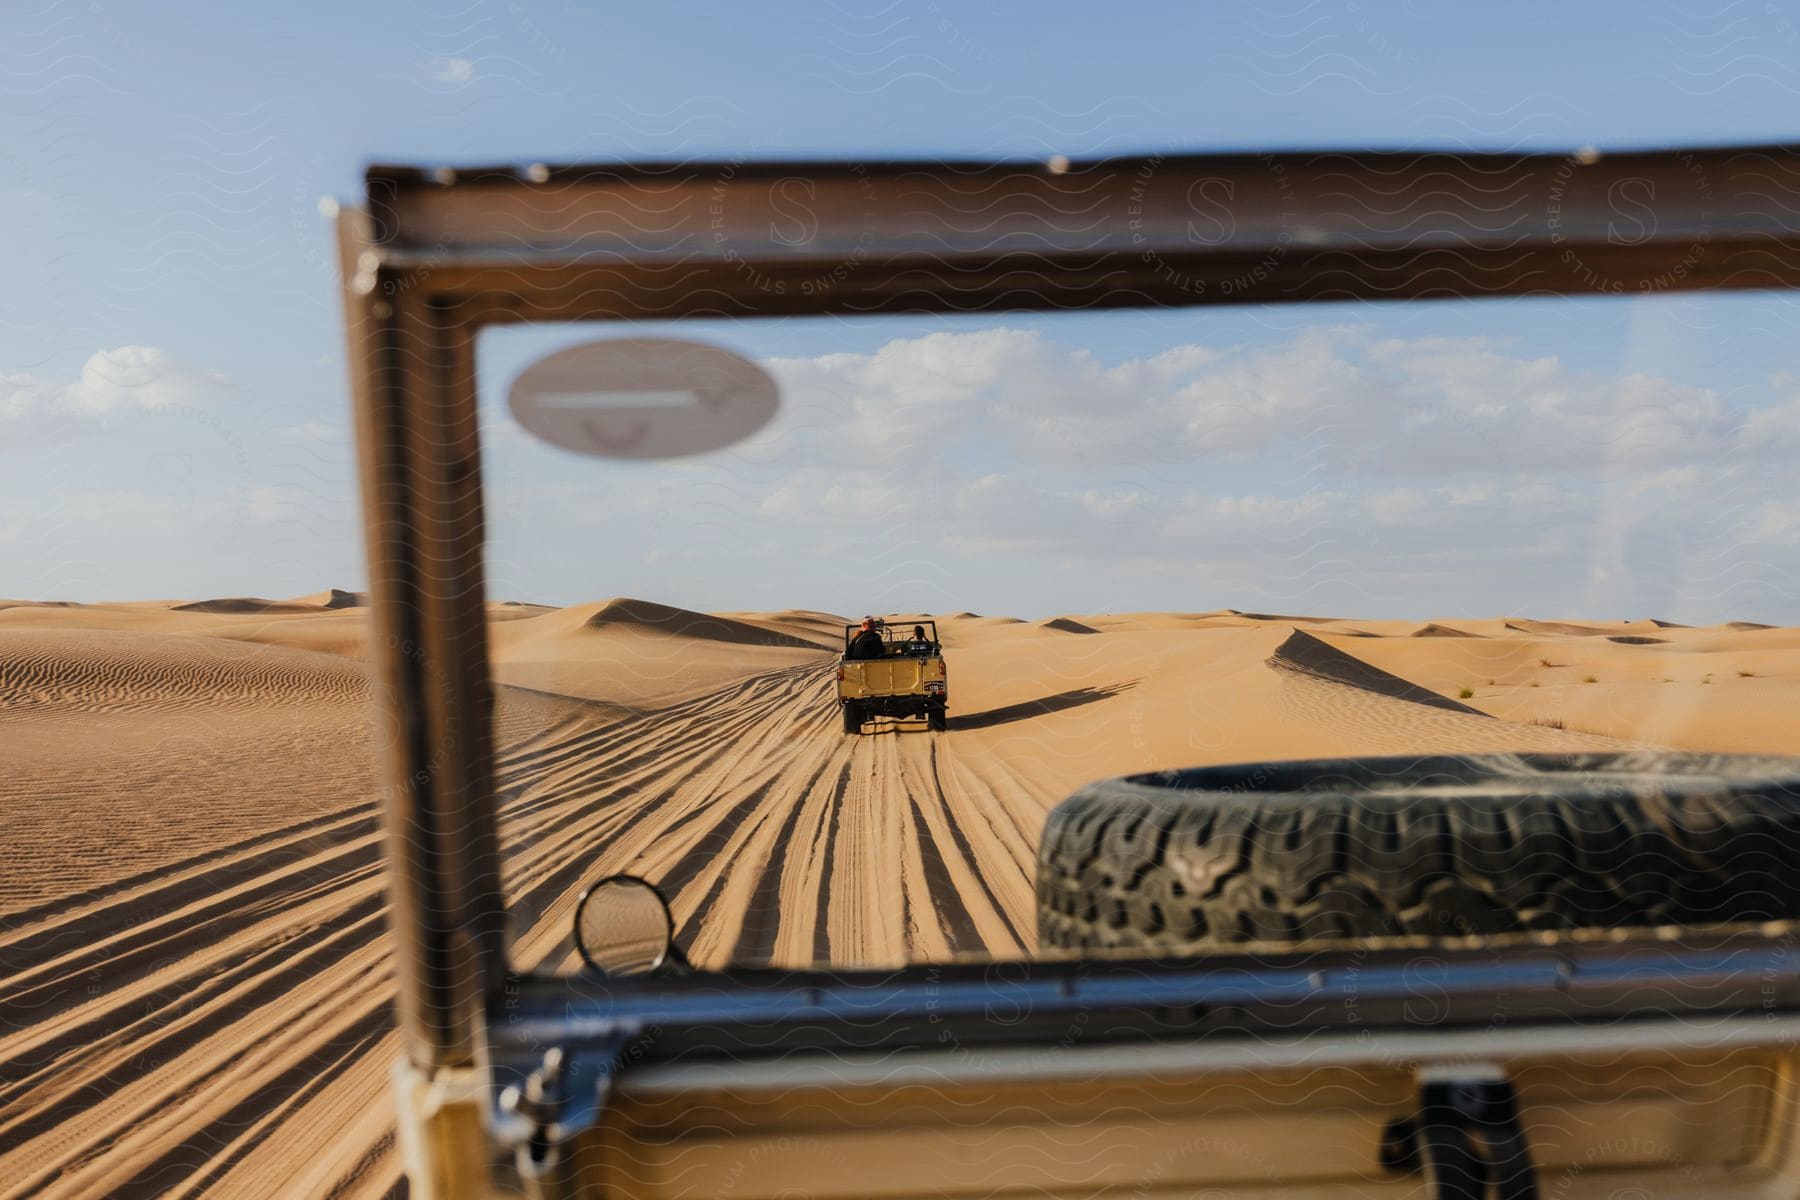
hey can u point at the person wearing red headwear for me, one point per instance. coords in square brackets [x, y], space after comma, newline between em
[867, 644]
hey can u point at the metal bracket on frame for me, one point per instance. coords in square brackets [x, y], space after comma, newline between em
[1466, 1135]
[559, 1101]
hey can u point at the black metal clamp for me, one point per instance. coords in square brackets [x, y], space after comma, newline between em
[1465, 1135]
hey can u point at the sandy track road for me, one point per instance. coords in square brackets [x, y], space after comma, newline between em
[196, 1027]
[773, 834]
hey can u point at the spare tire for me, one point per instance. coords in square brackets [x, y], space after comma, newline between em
[1368, 847]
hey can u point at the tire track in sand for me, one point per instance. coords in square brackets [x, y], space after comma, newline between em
[223, 1019]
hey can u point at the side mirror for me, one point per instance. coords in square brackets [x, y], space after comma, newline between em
[623, 926]
[643, 398]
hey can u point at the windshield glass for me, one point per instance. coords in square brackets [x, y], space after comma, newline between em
[1143, 541]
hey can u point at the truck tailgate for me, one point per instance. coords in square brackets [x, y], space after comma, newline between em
[886, 676]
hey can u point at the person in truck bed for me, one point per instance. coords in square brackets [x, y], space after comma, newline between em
[919, 643]
[866, 644]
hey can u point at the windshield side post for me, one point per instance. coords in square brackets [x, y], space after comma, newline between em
[413, 386]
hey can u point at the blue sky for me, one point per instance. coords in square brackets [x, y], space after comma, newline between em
[171, 381]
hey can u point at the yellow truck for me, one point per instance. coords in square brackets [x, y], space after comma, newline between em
[893, 669]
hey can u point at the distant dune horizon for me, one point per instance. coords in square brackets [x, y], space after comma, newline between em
[358, 597]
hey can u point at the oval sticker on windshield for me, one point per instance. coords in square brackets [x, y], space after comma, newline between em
[644, 398]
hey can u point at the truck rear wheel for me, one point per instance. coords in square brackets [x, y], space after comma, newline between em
[937, 717]
[853, 716]
[1302, 851]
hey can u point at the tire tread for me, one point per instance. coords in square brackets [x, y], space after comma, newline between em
[1143, 864]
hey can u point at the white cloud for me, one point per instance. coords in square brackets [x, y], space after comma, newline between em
[1776, 428]
[1420, 407]
[317, 431]
[128, 378]
[1399, 507]
[1437, 465]
[452, 70]
[270, 503]
[1773, 523]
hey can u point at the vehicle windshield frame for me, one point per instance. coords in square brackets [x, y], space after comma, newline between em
[435, 255]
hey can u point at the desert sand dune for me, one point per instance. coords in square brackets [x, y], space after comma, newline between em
[245, 605]
[1307, 655]
[636, 653]
[107, 671]
[662, 619]
[1555, 628]
[334, 598]
[196, 984]
[330, 598]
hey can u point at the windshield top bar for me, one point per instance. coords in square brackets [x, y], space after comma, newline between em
[733, 239]
[435, 255]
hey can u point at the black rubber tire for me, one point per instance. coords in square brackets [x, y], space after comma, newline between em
[1444, 846]
[853, 716]
[937, 716]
